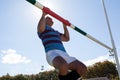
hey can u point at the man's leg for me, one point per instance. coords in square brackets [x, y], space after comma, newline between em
[63, 77]
[78, 68]
[73, 75]
[60, 64]
[65, 63]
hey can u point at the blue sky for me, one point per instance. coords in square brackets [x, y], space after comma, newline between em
[21, 50]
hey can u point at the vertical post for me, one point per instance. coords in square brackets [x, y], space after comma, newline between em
[112, 41]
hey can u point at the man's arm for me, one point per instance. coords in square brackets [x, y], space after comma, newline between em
[42, 23]
[65, 36]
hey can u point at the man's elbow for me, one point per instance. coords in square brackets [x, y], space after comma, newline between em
[67, 39]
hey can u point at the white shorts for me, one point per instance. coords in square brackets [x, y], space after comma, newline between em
[54, 53]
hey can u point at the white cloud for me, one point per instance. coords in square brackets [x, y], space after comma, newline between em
[10, 56]
[99, 59]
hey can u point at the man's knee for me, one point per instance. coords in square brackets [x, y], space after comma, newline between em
[82, 70]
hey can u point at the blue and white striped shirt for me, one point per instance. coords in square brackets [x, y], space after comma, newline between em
[51, 39]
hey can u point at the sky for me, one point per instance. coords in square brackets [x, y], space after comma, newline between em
[21, 51]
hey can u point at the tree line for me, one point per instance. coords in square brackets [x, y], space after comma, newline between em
[99, 69]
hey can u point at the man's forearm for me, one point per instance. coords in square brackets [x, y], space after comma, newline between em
[42, 23]
[66, 33]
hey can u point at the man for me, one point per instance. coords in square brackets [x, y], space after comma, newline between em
[55, 52]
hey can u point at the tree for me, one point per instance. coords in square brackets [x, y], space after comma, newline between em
[20, 77]
[6, 77]
[102, 69]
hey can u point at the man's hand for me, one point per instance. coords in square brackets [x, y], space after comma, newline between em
[64, 25]
[42, 23]
[65, 35]
[44, 14]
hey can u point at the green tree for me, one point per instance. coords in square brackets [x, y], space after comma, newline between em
[20, 77]
[6, 77]
[102, 69]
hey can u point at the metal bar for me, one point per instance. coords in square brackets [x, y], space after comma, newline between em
[90, 37]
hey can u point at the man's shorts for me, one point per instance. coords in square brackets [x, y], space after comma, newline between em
[50, 55]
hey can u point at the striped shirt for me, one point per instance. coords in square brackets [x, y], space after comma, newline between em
[51, 39]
